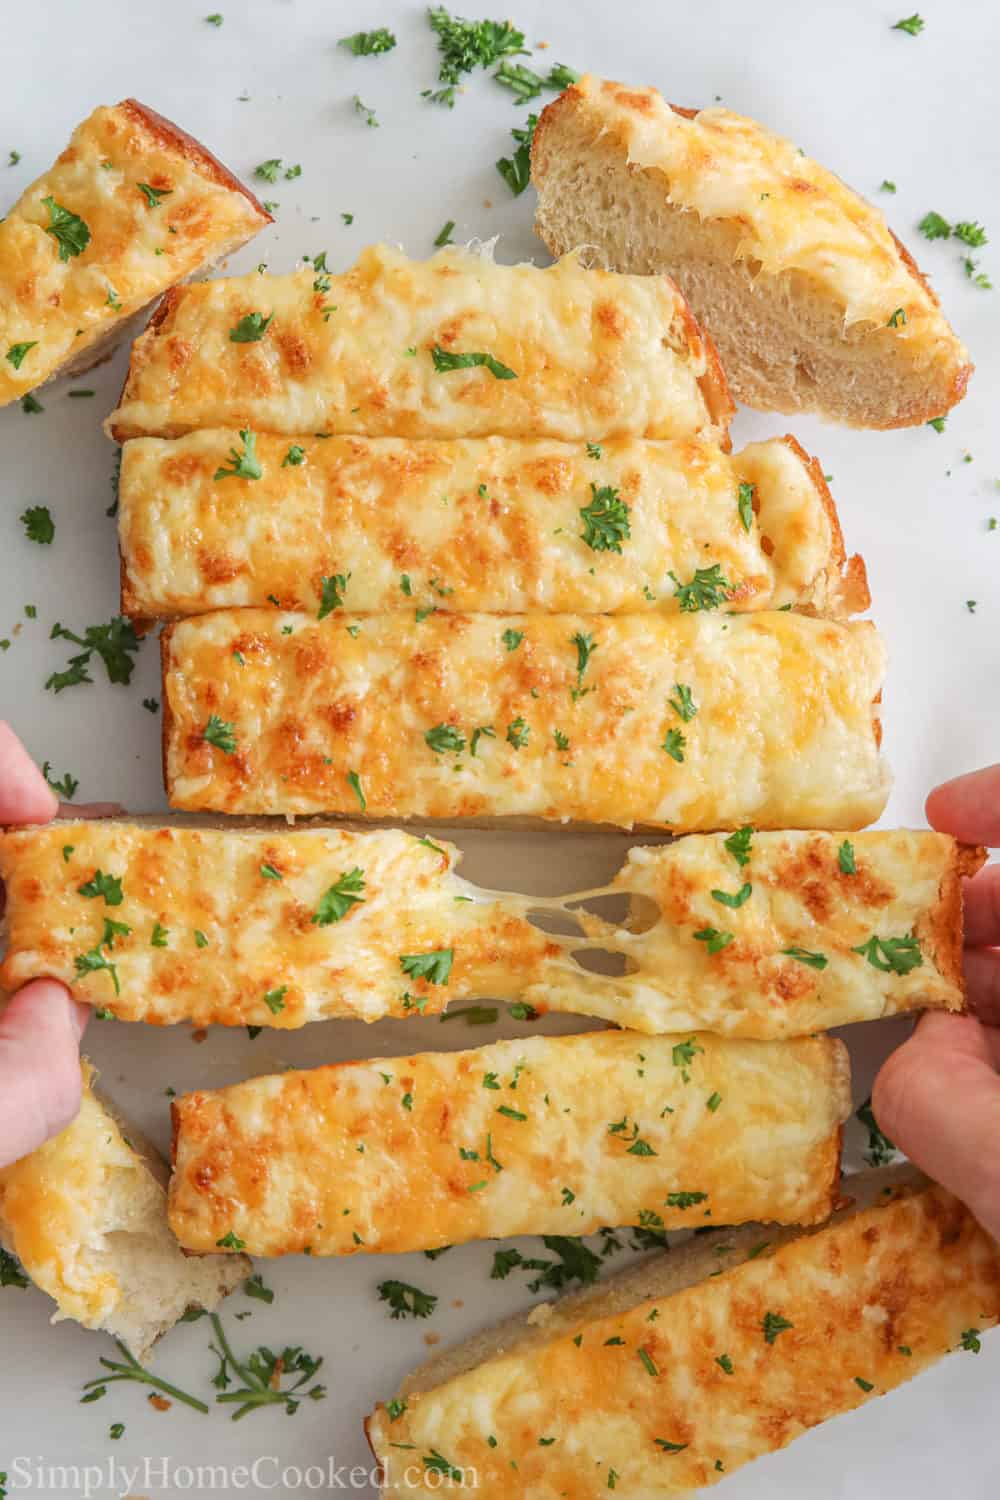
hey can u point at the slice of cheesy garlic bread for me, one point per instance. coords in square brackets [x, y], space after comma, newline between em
[551, 1135]
[751, 934]
[674, 1374]
[493, 525]
[131, 207]
[85, 1215]
[699, 720]
[812, 300]
[455, 346]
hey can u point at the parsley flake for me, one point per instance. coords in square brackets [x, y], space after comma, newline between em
[250, 328]
[338, 899]
[244, 465]
[38, 524]
[713, 939]
[67, 229]
[434, 966]
[445, 360]
[406, 1301]
[605, 519]
[772, 1325]
[220, 733]
[891, 955]
[706, 590]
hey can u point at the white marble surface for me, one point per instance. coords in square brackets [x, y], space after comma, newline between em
[871, 103]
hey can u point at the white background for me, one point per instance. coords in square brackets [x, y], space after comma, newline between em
[871, 103]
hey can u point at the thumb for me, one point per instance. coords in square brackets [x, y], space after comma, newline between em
[938, 1098]
[40, 1034]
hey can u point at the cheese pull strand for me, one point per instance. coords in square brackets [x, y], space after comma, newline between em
[759, 935]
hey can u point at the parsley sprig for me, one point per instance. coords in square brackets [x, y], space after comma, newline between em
[243, 465]
[464, 45]
[406, 1301]
[261, 1373]
[605, 519]
[115, 643]
[369, 43]
[129, 1368]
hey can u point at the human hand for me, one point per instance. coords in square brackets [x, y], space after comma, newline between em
[41, 1027]
[938, 1095]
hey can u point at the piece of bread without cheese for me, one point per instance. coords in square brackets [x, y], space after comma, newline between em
[131, 207]
[812, 302]
[450, 347]
[544, 1135]
[391, 717]
[85, 1215]
[687, 1366]
[524, 528]
[280, 927]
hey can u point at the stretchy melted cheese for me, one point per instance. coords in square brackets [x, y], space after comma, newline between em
[545, 1136]
[492, 525]
[575, 354]
[85, 1215]
[279, 928]
[793, 214]
[693, 721]
[670, 1378]
[137, 205]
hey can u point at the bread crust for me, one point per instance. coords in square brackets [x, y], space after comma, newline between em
[192, 150]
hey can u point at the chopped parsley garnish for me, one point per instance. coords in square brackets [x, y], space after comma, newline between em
[16, 352]
[406, 1301]
[512, 639]
[562, 77]
[231, 1241]
[713, 939]
[933, 227]
[436, 1463]
[152, 195]
[29, 405]
[673, 744]
[669, 1447]
[94, 960]
[880, 1149]
[337, 901]
[269, 872]
[706, 590]
[220, 733]
[738, 845]
[516, 169]
[244, 465]
[683, 705]
[261, 1373]
[65, 787]
[807, 957]
[293, 457]
[395, 1409]
[684, 1200]
[636, 1145]
[11, 1273]
[970, 233]
[275, 999]
[443, 236]
[864, 1385]
[251, 327]
[354, 782]
[215, 19]
[369, 43]
[129, 1368]
[159, 936]
[333, 590]
[445, 360]
[585, 648]
[67, 229]
[648, 1361]
[200, 940]
[725, 1363]
[937, 423]
[445, 739]
[772, 1325]
[512, 1114]
[115, 643]
[891, 955]
[561, 740]
[605, 519]
[912, 25]
[434, 966]
[38, 524]
[107, 886]
[744, 505]
[971, 1341]
[151, 705]
[361, 108]
[268, 170]
[13, 157]
[464, 45]
[523, 82]
[898, 318]
[845, 858]
[517, 733]
[254, 1287]
[886, 186]
[733, 901]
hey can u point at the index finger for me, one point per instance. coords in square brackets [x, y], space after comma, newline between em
[24, 795]
[968, 807]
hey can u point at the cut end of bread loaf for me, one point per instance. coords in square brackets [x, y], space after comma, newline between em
[619, 178]
[86, 1217]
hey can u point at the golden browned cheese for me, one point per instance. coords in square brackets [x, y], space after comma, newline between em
[573, 354]
[540, 1136]
[491, 525]
[557, 717]
[667, 1382]
[85, 1214]
[773, 935]
[155, 206]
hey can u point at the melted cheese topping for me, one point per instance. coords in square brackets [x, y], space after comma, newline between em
[784, 733]
[63, 1208]
[793, 214]
[640, 1392]
[593, 355]
[237, 913]
[135, 250]
[546, 1136]
[490, 525]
